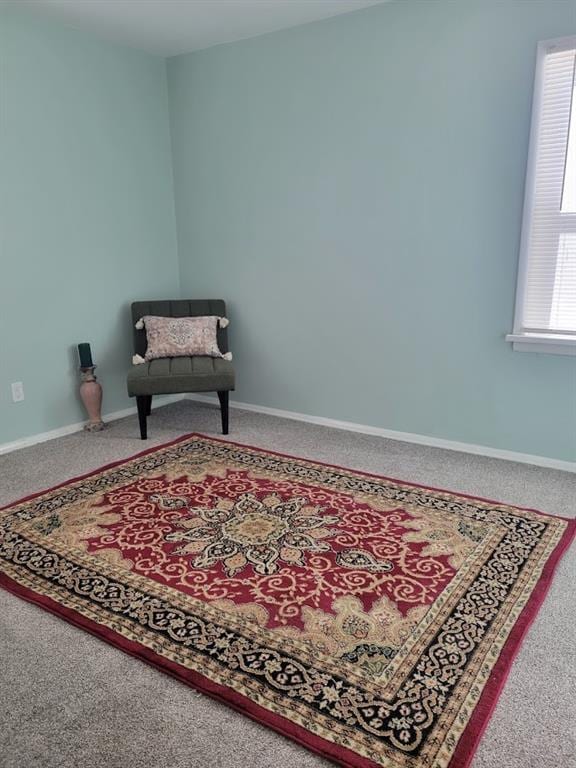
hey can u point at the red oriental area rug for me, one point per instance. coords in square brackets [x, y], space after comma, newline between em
[371, 620]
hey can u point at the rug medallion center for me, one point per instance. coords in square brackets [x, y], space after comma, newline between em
[255, 528]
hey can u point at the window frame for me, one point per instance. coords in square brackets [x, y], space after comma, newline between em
[521, 339]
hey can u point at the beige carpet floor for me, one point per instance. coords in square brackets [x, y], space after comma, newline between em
[68, 700]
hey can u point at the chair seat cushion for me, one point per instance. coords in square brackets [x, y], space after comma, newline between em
[172, 375]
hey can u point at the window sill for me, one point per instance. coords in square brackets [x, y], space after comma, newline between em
[548, 343]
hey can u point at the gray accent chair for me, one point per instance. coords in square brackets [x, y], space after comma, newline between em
[175, 375]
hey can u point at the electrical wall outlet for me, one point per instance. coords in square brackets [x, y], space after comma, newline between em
[17, 392]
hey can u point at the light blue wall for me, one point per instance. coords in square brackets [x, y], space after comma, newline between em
[354, 189]
[87, 216]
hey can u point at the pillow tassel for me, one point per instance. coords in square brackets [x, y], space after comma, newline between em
[139, 325]
[223, 322]
[138, 360]
[227, 356]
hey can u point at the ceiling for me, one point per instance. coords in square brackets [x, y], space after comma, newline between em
[171, 27]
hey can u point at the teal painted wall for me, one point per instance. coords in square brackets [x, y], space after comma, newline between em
[87, 214]
[354, 188]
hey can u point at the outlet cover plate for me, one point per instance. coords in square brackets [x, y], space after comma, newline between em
[17, 392]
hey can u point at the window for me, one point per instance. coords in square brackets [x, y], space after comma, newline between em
[545, 317]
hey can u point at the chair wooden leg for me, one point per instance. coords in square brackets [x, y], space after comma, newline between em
[223, 397]
[142, 405]
[148, 405]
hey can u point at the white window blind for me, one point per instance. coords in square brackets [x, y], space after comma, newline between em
[546, 297]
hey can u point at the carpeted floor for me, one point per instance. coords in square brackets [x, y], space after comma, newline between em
[68, 700]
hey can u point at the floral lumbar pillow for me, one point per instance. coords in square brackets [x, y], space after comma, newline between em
[181, 337]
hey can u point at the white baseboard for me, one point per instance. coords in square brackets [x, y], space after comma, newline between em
[405, 437]
[69, 429]
[390, 434]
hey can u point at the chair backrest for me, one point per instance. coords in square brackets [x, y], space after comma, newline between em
[177, 308]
